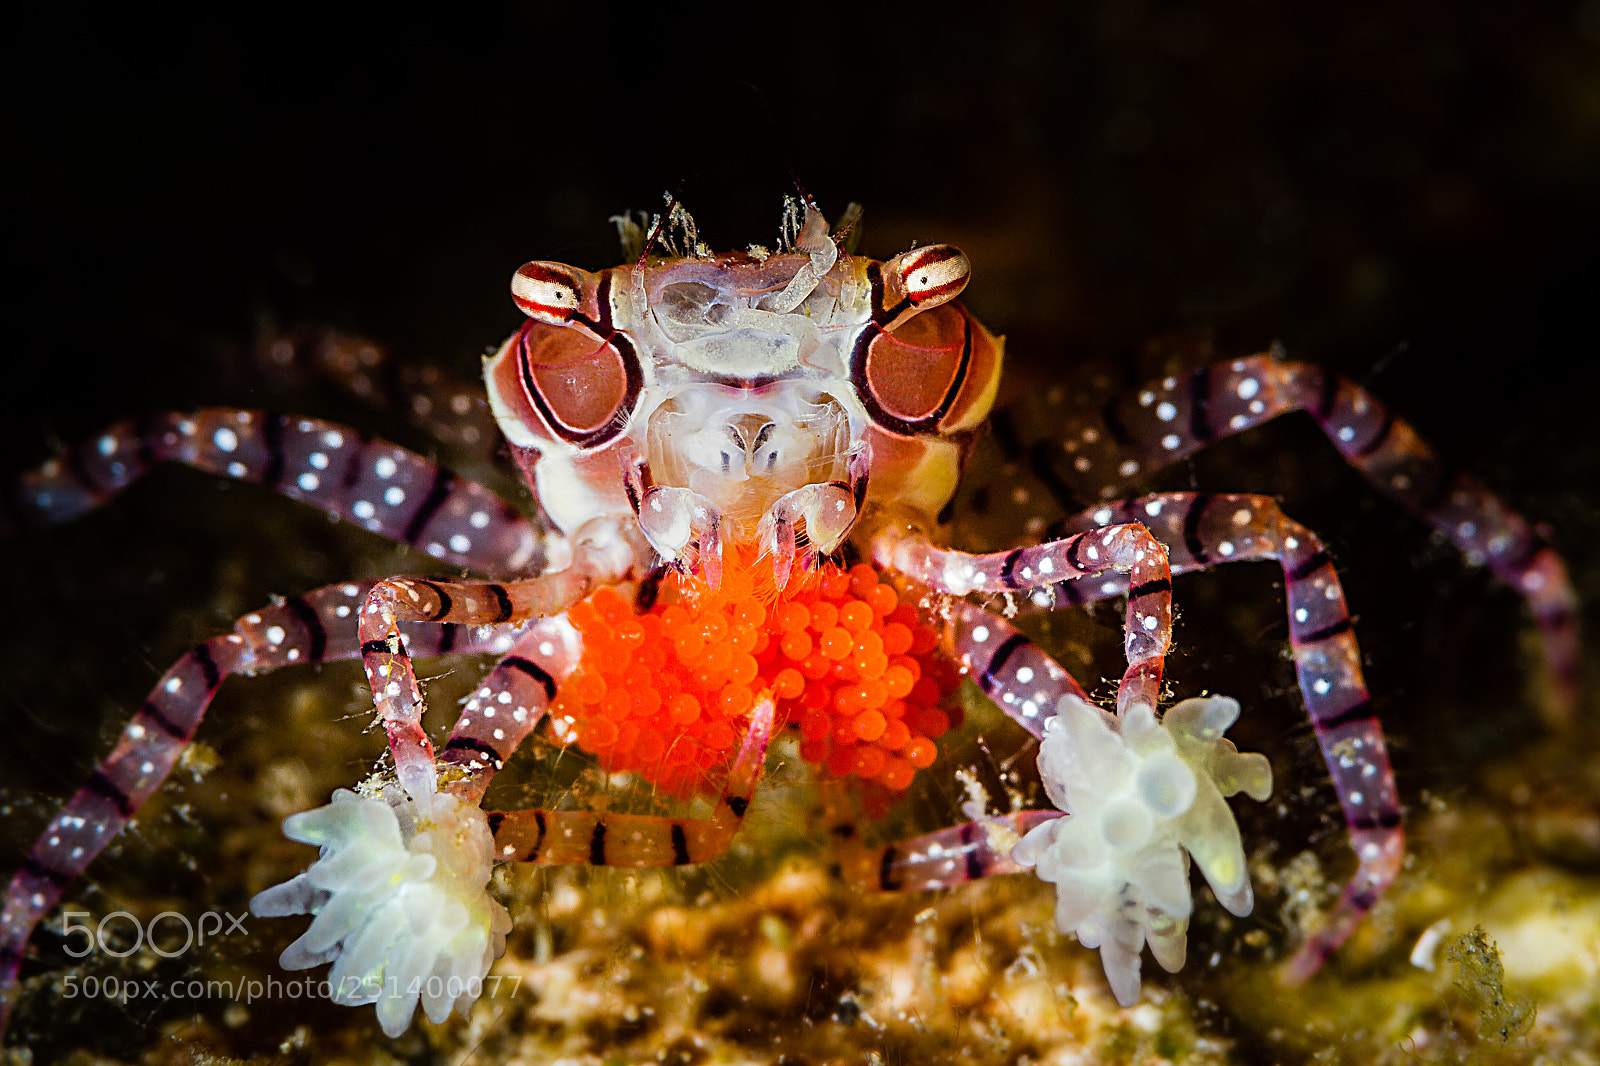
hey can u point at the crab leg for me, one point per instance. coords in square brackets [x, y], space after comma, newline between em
[1015, 673]
[1128, 547]
[311, 628]
[1202, 530]
[1175, 417]
[395, 692]
[948, 857]
[377, 485]
[450, 410]
[638, 840]
[508, 704]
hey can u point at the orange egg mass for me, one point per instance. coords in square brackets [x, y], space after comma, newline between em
[666, 693]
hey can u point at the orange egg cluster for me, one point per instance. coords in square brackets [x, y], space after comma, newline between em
[667, 693]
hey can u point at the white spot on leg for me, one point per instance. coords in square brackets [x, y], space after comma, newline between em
[225, 439]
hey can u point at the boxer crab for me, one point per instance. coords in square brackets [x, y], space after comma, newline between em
[741, 418]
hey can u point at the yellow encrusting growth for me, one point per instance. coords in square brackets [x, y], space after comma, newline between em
[666, 693]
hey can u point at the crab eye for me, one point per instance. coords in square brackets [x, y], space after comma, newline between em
[913, 373]
[551, 292]
[933, 275]
[584, 388]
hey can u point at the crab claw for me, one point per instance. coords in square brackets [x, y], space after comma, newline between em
[828, 512]
[685, 528]
[776, 537]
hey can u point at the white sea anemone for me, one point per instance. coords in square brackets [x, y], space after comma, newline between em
[400, 900]
[1144, 796]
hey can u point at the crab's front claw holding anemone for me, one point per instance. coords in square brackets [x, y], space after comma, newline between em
[400, 900]
[684, 528]
[1144, 796]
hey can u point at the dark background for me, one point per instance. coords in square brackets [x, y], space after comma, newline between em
[1407, 192]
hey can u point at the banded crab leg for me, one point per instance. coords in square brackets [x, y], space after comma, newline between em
[1128, 548]
[312, 628]
[639, 840]
[449, 409]
[1013, 671]
[1022, 680]
[601, 556]
[1175, 417]
[1202, 530]
[507, 705]
[947, 857]
[376, 485]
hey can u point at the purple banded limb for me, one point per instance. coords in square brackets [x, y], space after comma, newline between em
[1202, 530]
[945, 858]
[1015, 673]
[387, 662]
[507, 705]
[374, 484]
[319, 626]
[1126, 548]
[559, 838]
[1173, 418]
[450, 410]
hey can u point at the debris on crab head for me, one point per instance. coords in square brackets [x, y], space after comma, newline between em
[400, 900]
[1144, 797]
